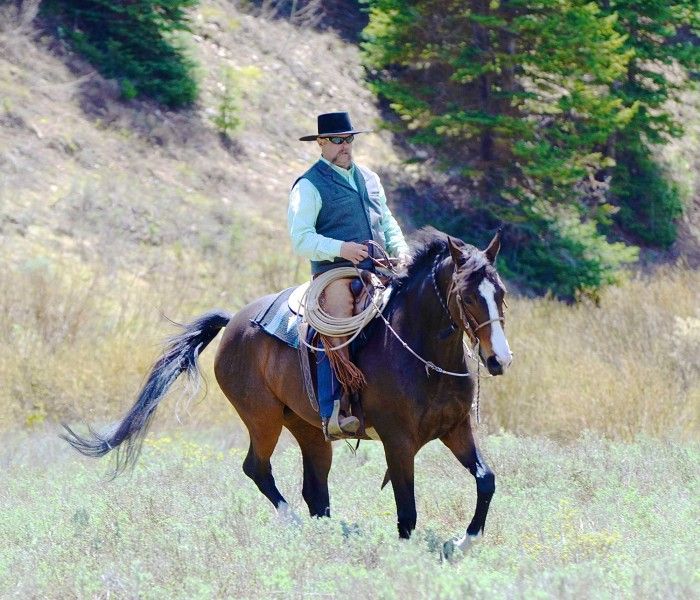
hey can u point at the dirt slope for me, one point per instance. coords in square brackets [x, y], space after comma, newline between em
[129, 185]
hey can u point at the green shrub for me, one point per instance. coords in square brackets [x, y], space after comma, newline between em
[227, 120]
[560, 254]
[132, 42]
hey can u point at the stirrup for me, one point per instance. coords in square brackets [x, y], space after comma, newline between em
[337, 427]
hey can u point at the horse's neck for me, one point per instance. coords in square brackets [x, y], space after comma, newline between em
[426, 324]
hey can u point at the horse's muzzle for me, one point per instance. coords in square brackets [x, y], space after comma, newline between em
[494, 367]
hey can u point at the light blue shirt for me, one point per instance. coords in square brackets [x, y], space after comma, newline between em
[305, 204]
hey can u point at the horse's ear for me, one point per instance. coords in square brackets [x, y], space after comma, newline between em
[457, 257]
[493, 248]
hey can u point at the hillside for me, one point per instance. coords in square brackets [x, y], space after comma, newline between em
[112, 213]
[134, 189]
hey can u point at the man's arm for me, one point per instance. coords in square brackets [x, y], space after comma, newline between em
[395, 243]
[304, 206]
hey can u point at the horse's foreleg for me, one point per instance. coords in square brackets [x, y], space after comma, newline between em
[317, 455]
[462, 444]
[399, 459]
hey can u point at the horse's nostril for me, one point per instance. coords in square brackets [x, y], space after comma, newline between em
[494, 367]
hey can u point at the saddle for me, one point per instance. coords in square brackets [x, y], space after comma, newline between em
[362, 289]
[281, 318]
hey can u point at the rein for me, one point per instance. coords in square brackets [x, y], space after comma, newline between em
[430, 365]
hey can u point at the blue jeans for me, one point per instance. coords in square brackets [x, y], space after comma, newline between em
[329, 388]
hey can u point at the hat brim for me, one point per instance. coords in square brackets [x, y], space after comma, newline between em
[311, 138]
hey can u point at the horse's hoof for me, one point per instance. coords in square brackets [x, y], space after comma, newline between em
[454, 550]
[447, 551]
[287, 516]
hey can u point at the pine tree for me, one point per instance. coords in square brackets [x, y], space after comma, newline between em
[659, 35]
[132, 41]
[516, 93]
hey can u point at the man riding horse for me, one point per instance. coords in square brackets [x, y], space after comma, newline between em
[449, 292]
[333, 208]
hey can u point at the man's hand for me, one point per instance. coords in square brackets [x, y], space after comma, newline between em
[353, 252]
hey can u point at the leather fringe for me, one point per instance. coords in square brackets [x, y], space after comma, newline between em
[348, 374]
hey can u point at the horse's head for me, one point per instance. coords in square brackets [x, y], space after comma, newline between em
[477, 296]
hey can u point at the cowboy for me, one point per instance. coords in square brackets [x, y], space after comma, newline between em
[333, 208]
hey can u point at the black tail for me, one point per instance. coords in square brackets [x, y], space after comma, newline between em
[180, 355]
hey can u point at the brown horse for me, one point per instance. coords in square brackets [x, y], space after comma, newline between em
[448, 289]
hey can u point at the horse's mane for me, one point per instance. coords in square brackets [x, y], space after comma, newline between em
[427, 243]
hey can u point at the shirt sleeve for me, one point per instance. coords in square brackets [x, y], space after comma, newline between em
[304, 206]
[395, 242]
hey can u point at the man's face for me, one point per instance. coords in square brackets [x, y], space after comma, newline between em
[337, 154]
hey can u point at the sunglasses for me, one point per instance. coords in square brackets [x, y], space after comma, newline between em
[337, 140]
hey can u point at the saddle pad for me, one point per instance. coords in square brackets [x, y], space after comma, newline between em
[276, 319]
[296, 297]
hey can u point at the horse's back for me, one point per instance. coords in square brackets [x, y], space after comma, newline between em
[256, 370]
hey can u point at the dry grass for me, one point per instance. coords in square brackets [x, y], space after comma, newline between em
[76, 344]
[625, 367]
[111, 213]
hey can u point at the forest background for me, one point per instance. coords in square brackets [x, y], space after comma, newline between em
[146, 152]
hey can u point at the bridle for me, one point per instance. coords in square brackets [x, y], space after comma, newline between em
[465, 317]
[467, 327]
[471, 331]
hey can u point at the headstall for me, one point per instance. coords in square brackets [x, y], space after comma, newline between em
[466, 320]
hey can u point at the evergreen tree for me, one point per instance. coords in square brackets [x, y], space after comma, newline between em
[132, 41]
[516, 93]
[659, 35]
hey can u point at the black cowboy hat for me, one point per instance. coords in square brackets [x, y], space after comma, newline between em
[337, 123]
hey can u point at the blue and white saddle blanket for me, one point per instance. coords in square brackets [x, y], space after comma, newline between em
[277, 320]
[280, 322]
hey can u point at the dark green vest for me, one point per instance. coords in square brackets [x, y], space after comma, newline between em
[345, 214]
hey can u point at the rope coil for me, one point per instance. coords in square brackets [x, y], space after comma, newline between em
[331, 326]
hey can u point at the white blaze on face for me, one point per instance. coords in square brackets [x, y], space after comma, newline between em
[499, 343]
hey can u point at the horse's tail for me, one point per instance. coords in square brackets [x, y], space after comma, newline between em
[179, 356]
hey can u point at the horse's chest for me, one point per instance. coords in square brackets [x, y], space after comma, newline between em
[444, 411]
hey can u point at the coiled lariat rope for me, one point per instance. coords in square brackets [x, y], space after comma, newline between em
[331, 326]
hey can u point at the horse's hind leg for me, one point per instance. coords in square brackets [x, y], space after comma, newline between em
[462, 444]
[317, 455]
[264, 433]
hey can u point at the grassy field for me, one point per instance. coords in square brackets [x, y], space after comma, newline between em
[592, 435]
[587, 519]
[114, 215]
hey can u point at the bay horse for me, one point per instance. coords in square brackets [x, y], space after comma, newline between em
[448, 289]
